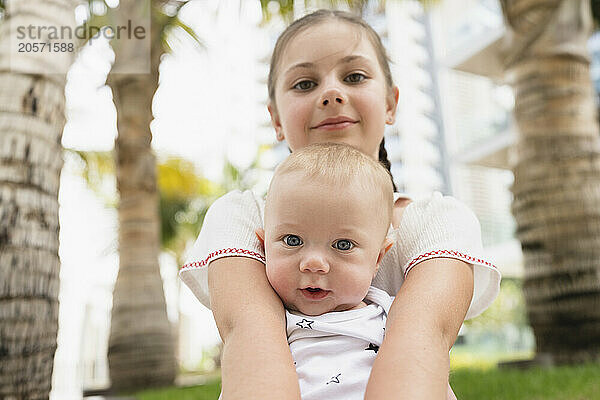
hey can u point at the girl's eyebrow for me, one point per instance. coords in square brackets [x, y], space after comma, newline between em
[345, 60]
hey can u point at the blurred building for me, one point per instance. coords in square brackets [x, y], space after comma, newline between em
[478, 116]
[416, 142]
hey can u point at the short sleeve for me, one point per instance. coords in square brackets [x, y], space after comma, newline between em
[228, 230]
[442, 226]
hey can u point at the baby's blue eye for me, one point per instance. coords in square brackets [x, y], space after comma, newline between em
[343, 244]
[304, 85]
[355, 77]
[292, 240]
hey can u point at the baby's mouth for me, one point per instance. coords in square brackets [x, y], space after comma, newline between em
[314, 293]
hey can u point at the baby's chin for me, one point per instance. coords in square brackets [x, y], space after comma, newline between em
[315, 311]
[310, 311]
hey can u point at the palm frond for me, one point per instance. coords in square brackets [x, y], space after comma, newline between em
[285, 10]
[97, 168]
[180, 24]
[166, 15]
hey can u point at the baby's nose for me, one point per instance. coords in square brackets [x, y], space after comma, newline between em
[314, 263]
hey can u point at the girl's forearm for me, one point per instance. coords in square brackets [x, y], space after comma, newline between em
[422, 325]
[253, 365]
[411, 364]
[256, 361]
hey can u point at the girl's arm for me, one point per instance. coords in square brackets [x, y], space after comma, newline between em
[422, 325]
[256, 361]
[433, 299]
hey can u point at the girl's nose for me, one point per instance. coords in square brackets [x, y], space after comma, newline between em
[314, 263]
[332, 96]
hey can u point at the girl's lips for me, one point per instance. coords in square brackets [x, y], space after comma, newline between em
[336, 126]
[313, 294]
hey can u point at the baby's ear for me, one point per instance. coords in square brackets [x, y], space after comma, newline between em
[260, 235]
[387, 244]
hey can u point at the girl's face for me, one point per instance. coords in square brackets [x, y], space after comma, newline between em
[331, 88]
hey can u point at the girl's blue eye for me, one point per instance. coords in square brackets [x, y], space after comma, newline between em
[292, 240]
[343, 244]
[355, 78]
[304, 85]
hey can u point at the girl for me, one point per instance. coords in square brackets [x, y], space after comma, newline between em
[330, 81]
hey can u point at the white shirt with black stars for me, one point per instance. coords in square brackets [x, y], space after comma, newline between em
[334, 352]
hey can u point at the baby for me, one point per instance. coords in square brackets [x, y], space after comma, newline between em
[327, 215]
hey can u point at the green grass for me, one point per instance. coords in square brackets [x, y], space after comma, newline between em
[480, 382]
[560, 383]
[482, 359]
[209, 391]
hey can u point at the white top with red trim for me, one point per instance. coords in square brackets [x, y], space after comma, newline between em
[438, 226]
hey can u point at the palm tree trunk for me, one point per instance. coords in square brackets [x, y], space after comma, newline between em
[141, 350]
[32, 118]
[557, 175]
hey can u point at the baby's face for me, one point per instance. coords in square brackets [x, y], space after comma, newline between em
[322, 244]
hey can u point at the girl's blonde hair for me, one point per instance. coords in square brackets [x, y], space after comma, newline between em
[340, 165]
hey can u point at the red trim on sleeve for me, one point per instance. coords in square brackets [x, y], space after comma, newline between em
[223, 253]
[449, 254]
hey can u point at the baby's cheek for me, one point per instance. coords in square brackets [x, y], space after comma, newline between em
[278, 280]
[357, 285]
[271, 274]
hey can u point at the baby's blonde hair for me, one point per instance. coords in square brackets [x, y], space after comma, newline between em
[341, 165]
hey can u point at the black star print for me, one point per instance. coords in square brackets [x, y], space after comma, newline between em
[373, 347]
[334, 379]
[305, 323]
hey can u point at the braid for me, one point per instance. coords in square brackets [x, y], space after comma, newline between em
[383, 159]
